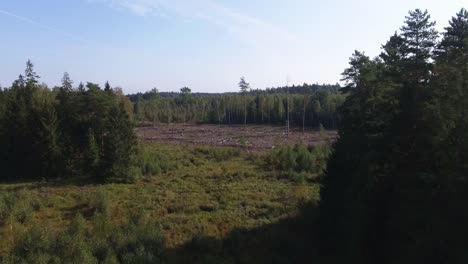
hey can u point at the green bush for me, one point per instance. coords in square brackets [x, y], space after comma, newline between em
[217, 153]
[134, 173]
[154, 160]
[299, 162]
[64, 132]
[100, 203]
[17, 206]
[100, 241]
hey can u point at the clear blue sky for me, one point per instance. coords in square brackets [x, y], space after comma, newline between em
[204, 44]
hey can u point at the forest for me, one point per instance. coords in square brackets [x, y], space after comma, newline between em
[305, 106]
[80, 183]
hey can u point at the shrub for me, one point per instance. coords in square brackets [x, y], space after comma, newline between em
[217, 153]
[154, 160]
[282, 159]
[100, 203]
[17, 206]
[34, 246]
[138, 241]
[299, 162]
[134, 173]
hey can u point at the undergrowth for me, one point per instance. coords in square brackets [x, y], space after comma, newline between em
[181, 196]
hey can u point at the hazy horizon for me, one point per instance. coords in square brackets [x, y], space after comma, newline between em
[207, 45]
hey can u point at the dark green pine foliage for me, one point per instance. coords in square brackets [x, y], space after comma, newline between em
[356, 166]
[15, 138]
[110, 142]
[81, 87]
[118, 145]
[395, 191]
[46, 130]
[447, 119]
[65, 108]
[65, 133]
[30, 74]
[107, 87]
[2, 102]
[28, 130]
[409, 190]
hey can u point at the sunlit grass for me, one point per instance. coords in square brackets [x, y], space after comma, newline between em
[195, 191]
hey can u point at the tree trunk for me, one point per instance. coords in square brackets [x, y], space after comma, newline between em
[245, 111]
[304, 112]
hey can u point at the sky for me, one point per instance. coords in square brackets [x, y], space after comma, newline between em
[206, 45]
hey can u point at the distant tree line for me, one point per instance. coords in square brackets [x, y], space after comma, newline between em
[65, 131]
[309, 105]
[396, 187]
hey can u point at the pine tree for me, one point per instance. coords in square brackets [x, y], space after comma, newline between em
[118, 146]
[48, 135]
[244, 88]
[419, 42]
[153, 105]
[67, 83]
[186, 100]
[30, 74]
[107, 87]
[395, 188]
[304, 105]
[447, 123]
[81, 87]
[92, 154]
[394, 54]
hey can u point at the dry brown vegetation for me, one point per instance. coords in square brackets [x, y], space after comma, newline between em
[254, 138]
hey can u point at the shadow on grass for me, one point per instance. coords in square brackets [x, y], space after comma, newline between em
[16, 185]
[289, 241]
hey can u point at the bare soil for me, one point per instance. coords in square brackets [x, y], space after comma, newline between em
[255, 138]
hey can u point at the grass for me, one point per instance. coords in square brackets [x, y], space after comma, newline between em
[191, 192]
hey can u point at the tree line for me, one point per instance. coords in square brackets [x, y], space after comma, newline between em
[396, 187]
[88, 130]
[307, 105]
[47, 133]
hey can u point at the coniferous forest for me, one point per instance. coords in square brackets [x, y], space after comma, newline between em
[66, 131]
[373, 170]
[310, 106]
[396, 186]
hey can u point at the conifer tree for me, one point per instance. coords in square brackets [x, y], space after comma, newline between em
[107, 87]
[67, 83]
[244, 88]
[30, 74]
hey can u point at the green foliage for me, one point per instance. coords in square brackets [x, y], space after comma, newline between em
[299, 162]
[152, 160]
[17, 206]
[398, 164]
[254, 106]
[99, 241]
[64, 132]
[206, 192]
[100, 203]
[138, 242]
[217, 154]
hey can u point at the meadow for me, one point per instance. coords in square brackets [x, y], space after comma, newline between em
[208, 204]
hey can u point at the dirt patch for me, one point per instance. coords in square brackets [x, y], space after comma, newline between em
[256, 138]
